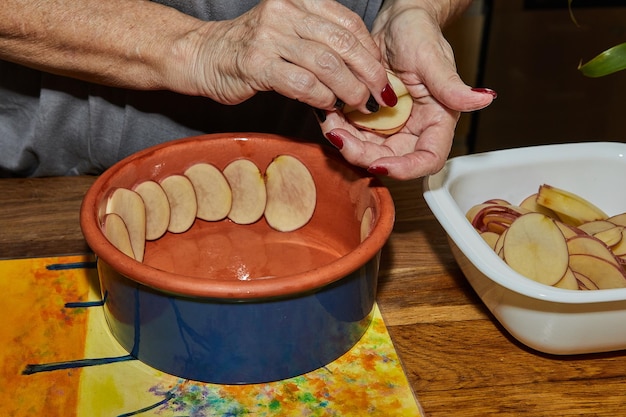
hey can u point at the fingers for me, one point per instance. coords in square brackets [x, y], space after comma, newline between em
[428, 60]
[398, 162]
[418, 150]
[318, 52]
[349, 64]
[426, 65]
[446, 85]
[334, 11]
[345, 68]
[428, 156]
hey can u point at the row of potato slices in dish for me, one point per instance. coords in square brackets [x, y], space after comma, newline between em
[557, 238]
[285, 195]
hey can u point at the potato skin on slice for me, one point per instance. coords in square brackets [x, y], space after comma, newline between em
[387, 120]
[157, 208]
[212, 191]
[291, 194]
[248, 191]
[116, 232]
[183, 204]
[536, 248]
[130, 207]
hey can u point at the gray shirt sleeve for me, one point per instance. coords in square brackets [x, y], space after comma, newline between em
[52, 125]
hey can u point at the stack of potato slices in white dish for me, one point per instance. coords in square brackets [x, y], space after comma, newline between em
[556, 238]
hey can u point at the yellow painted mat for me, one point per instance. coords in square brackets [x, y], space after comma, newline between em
[56, 360]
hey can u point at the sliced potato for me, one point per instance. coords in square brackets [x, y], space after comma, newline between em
[494, 217]
[291, 194]
[568, 282]
[530, 204]
[367, 223]
[396, 84]
[387, 120]
[157, 208]
[491, 238]
[611, 237]
[182, 199]
[619, 248]
[584, 283]
[116, 232]
[618, 219]
[249, 195]
[568, 231]
[602, 273]
[570, 207]
[212, 191]
[596, 226]
[596, 244]
[129, 205]
[500, 244]
[535, 247]
[589, 245]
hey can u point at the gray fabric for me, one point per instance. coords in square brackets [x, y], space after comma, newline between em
[52, 125]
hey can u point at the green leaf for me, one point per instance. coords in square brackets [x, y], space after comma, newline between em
[608, 62]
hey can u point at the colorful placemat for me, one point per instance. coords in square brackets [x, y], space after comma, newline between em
[57, 358]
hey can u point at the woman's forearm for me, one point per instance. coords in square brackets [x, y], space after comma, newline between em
[124, 43]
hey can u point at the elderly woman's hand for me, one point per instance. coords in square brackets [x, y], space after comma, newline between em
[314, 51]
[413, 46]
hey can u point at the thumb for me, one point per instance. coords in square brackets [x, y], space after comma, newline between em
[448, 88]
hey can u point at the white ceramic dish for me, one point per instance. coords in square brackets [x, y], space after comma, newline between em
[547, 319]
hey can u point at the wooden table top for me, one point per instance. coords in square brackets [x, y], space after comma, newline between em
[459, 361]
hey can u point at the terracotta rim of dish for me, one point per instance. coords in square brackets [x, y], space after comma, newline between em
[229, 289]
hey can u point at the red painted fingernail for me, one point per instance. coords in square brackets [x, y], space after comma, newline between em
[378, 170]
[335, 140]
[389, 96]
[485, 91]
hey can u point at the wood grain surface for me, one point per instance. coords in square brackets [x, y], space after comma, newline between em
[458, 359]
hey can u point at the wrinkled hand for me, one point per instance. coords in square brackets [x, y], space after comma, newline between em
[413, 46]
[314, 51]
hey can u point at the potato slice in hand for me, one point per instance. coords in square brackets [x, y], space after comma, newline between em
[535, 247]
[129, 206]
[182, 199]
[116, 232]
[157, 208]
[387, 120]
[291, 194]
[212, 191]
[249, 195]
